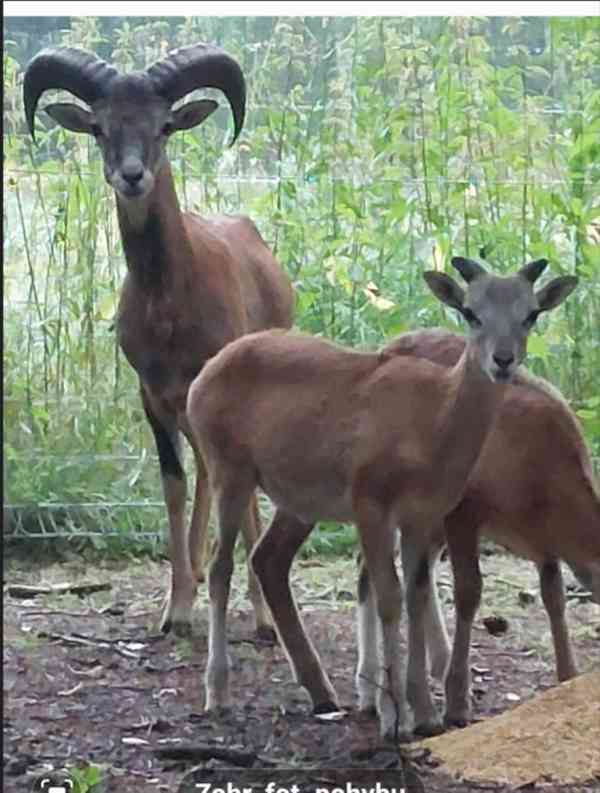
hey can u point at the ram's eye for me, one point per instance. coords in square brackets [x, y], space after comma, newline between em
[96, 130]
[529, 321]
[167, 129]
[471, 318]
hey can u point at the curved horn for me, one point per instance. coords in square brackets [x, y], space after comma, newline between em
[201, 66]
[468, 268]
[81, 73]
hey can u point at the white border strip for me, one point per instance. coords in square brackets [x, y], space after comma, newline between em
[251, 8]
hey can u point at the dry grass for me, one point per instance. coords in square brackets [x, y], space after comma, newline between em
[554, 736]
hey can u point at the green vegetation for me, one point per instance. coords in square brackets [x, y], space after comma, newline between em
[88, 779]
[374, 148]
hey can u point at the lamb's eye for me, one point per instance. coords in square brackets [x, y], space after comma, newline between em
[529, 321]
[471, 318]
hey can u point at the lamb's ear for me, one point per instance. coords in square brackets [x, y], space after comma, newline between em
[533, 270]
[71, 116]
[445, 289]
[193, 113]
[555, 292]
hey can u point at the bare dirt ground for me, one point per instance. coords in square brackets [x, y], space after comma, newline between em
[88, 682]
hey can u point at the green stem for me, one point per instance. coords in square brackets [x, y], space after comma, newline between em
[33, 287]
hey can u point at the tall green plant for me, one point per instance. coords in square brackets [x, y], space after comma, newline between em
[373, 148]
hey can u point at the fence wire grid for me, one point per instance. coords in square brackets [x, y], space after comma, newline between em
[373, 148]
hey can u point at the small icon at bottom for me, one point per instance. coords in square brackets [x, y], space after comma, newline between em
[55, 782]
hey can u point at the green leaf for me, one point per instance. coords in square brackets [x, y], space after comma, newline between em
[537, 347]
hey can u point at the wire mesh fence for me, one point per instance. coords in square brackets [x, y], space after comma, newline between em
[373, 148]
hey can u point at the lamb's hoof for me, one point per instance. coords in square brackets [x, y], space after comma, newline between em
[166, 625]
[325, 707]
[181, 628]
[439, 669]
[394, 736]
[265, 633]
[368, 709]
[217, 707]
[461, 722]
[428, 729]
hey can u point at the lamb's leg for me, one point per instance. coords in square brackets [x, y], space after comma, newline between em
[463, 542]
[199, 534]
[553, 595]
[369, 636]
[416, 565]
[376, 530]
[438, 643]
[251, 533]
[271, 559]
[232, 491]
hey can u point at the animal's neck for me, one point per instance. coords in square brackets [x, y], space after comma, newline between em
[157, 249]
[473, 402]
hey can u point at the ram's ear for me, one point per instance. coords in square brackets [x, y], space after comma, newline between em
[70, 116]
[193, 113]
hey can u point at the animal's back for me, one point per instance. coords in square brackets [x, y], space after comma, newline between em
[315, 370]
[268, 299]
[309, 414]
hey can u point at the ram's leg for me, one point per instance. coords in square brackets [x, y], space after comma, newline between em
[177, 613]
[553, 595]
[416, 565]
[271, 559]
[252, 533]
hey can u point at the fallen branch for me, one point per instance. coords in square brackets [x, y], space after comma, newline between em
[77, 640]
[149, 667]
[95, 671]
[256, 641]
[198, 752]
[584, 597]
[514, 654]
[57, 613]
[508, 582]
[69, 692]
[106, 640]
[24, 591]
[84, 685]
[67, 639]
